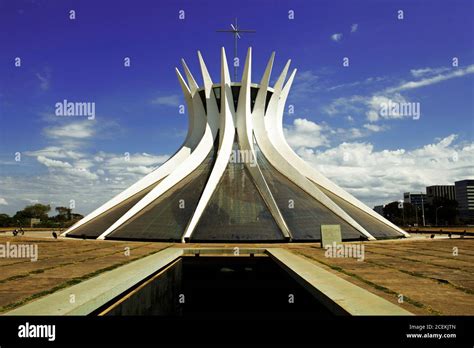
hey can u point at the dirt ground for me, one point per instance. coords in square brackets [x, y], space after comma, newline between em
[423, 275]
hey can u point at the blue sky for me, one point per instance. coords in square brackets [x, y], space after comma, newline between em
[376, 158]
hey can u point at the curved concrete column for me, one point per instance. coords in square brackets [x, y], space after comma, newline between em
[280, 162]
[263, 125]
[184, 169]
[275, 128]
[245, 133]
[196, 128]
[226, 140]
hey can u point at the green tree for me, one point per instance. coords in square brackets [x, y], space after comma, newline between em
[38, 211]
[392, 212]
[400, 213]
[64, 214]
[5, 220]
[446, 210]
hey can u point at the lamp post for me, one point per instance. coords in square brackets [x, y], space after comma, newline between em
[416, 215]
[437, 214]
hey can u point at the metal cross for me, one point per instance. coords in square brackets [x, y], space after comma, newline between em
[235, 31]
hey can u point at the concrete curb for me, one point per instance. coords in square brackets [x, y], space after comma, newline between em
[96, 292]
[338, 295]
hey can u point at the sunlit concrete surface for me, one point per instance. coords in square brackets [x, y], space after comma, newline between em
[341, 296]
[97, 291]
[422, 275]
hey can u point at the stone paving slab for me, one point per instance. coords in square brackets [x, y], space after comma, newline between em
[429, 295]
[405, 268]
[99, 290]
[58, 269]
[341, 295]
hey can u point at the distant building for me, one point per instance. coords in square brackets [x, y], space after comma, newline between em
[414, 198]
[465, 199]
[34, 221]
[379, 209]
[440, 191]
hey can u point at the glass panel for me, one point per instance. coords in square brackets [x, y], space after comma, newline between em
[236, 211]
[202, 94]
[167, 217]
[253, 97]
[217, 93]
[99, 225]
[303, 214]
[235, 95]
[376, 228]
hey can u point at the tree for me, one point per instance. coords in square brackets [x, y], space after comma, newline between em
[64, 214]
[38, 211]
[447, 211]
[63, 219]
[393, 213]
[5, 220]
[400, 213]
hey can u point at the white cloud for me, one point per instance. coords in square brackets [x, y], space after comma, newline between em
[56, 152]
[350, 133]
[367, 81]
[168, 100]
[79, 169]
[345, 105]
[138, 159]
[101, 164]
[72, 172]
[336, 37]
[76, 130]
[375, 103]
[31, 201]
[459, 72]
[83, 173]
[85, 163]
[3, 201]
[140, 170]
[371, 105]
[374, 128]
[428, 71]
[51, 163]
[382, 176]
[354, 27]
[305, 133]
[90, 180]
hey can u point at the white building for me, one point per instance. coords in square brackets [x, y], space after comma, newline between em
[235, 178]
